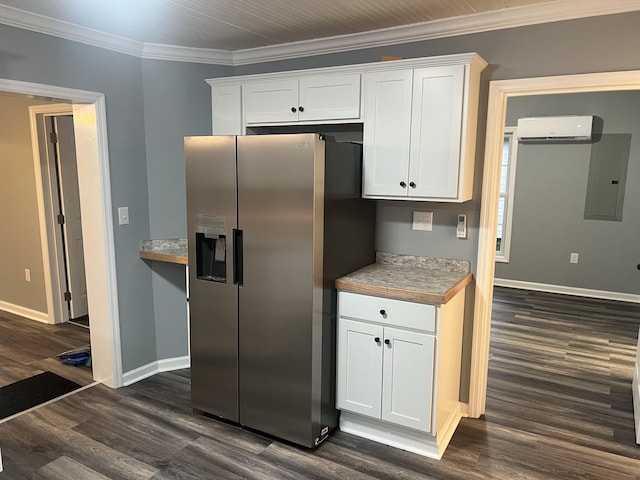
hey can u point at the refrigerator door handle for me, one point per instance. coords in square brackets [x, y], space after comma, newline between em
[237, 257]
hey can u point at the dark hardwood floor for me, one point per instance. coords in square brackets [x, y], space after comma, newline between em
[559, 407]
[28, 347]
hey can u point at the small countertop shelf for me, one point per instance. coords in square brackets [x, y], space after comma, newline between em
[407, 277]
[171, 250]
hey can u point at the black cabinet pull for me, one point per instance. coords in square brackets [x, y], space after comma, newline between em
[293, 109]
[383, 312]
[387, 342]
[402, 184]
[412, 184]
[377, 339]
[301, 109]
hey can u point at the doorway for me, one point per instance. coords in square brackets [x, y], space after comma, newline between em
[89, 117]
[499, 93]
[56, 155]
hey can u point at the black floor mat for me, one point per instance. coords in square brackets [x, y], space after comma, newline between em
[33, 391]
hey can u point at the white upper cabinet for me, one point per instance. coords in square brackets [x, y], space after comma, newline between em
[419, 118]
[419, 133]
[387, 132]
[436, 125]
[226, 108]
[306, 100]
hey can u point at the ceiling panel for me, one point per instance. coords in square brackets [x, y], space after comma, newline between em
[242, 24]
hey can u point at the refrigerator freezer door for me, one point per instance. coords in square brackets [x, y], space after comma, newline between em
[213, 298]
[280, 183]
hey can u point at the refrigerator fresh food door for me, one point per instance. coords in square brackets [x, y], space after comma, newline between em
[280, 183]
[213, 298]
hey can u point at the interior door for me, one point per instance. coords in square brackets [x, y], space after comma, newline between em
[70, 207]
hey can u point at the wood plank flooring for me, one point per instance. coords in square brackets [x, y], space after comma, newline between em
[28, 347]
[559, 407]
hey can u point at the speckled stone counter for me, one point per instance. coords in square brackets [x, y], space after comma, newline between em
[172, 250]
[407, 277]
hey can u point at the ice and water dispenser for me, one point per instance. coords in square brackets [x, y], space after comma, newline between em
[211, 248]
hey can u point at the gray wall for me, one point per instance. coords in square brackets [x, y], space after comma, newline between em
[19, 228]
[33, 57]
[176, 104]
[550, 190]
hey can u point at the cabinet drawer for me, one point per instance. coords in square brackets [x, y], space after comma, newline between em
[386, 311]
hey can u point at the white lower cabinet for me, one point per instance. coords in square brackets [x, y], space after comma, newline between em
[398, 370]
[382, 371]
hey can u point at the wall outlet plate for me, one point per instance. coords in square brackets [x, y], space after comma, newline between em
[574, 257]
[423, 221]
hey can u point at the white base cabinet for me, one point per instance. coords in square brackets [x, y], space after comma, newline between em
[398, 370]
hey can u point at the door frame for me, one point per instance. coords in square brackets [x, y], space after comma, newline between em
[90, 123]
[50, 239]
[499, 93]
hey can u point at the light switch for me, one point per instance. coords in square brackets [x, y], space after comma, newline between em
[123, 215]
[423, 221]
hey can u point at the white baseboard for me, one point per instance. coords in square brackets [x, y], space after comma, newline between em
[580, 292]
[164, 365]
[24, 312]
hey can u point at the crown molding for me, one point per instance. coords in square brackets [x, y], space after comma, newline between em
[49, 26]
[557, 10]
[176, 53]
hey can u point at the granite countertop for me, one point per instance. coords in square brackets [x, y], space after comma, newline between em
[407, 277]
[172, 250]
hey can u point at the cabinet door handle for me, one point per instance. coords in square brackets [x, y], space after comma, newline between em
[293, 110]
[402, 184]
[387, 342]
[383, 312]
[301, 109]
[377, 339]
[412, 184]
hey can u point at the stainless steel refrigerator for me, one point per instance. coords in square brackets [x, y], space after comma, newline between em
[272, 221]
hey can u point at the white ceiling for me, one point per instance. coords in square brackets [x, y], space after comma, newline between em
[223, 28]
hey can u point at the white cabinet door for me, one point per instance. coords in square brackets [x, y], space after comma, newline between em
[269, 102]
[226, 107]
[408, 378]
[387, 127]
[359, 367]
[435, 131]
[330, 97]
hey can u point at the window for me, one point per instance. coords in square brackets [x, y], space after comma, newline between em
[507, 185]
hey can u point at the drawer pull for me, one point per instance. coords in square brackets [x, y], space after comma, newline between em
[383, 312]
[387, 342]
[377, 339]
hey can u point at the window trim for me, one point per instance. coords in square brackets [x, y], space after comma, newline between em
[503, 257]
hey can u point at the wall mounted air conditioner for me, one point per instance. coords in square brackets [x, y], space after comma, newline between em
[570, 128]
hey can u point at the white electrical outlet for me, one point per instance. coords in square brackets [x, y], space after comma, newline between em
[573, 258]
[27, 275]
[423, 221]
